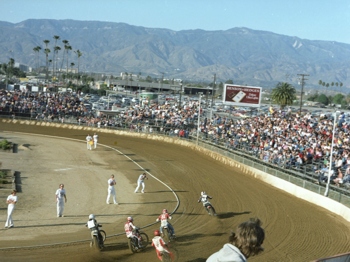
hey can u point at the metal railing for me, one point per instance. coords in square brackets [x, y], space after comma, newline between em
[303, 175]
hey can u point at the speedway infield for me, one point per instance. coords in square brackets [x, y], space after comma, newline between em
[295, 229]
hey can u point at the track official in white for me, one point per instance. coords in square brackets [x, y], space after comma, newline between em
[95, 138]
[11, 201]
[61, 198]
[88, 142]
[141, 182]
[111, 190]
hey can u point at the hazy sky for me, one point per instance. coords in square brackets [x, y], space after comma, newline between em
[309, 19]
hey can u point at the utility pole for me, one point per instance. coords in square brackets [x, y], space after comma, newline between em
[180, 105]
[302, 90]
[161, 84]
[212, 97]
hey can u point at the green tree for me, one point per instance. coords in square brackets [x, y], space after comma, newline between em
[338, 98]
[283, 94]
[322, 98]
[230, 82]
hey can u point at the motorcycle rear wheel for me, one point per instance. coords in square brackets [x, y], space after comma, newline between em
[103, 234]
[166, 257]
[131, 244]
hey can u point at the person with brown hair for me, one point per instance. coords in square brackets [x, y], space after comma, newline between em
[11, 201]
[245, 242]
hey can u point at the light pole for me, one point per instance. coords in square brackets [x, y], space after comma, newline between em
[180, 106]
[212, 97]
[199, 115]
[331, 156]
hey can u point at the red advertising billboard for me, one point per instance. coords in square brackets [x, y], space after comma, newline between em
[242, 95]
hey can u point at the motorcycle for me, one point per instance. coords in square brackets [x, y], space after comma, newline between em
[143, 239]
[210, 209]
[166, 256]
[167, 234]
[98, 237]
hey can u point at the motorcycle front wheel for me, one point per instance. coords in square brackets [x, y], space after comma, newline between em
[144, 239]
[166, 235]
[131, 244]
[96, 243]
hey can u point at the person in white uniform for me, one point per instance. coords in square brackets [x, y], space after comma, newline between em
[95, 138]
[88, 142]
[11, 201]
[141, 182]
[111, 190]
[61, 198]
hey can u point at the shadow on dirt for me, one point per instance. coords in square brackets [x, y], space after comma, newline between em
[231, 214]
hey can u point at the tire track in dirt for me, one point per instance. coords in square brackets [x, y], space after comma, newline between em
[295, 229]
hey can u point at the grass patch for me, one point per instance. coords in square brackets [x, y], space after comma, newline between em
[5, 145]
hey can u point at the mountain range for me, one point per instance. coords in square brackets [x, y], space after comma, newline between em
[245, 56]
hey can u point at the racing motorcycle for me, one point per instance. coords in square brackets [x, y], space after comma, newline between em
[167, 234]
[210, 209]
[98, 237]
[143, 239]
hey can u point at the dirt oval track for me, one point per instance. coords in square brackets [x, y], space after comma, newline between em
[295, 229]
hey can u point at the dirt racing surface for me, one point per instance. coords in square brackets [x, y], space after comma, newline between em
[295, 230]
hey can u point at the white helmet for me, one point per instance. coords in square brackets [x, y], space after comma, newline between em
[203, 193]
[91, 216]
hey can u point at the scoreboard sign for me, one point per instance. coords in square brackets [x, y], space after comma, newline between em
[242, 95]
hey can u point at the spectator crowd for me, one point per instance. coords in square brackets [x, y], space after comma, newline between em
[281, 138]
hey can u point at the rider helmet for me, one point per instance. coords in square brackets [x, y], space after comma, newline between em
[203, 193]
[165, 211]
[156, 233]
[130, 219]
[91, 216]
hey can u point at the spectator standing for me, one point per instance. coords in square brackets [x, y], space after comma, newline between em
[141, 182]
[95, 138]
[11, 201]
[245, 242]
[88, 142]
[111, 190]
[61, 198]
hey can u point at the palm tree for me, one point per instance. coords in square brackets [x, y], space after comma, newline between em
[67, 48]
[283, 94]
[37, 50]
[79, 54]
[47, 51]
[71, 69]
[65, 42]
[56, 49]
[56, 37]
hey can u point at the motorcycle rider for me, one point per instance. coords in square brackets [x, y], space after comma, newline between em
[131, 231]
[163, 218]
[93, 225]
[160, 245]
[204, 199]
